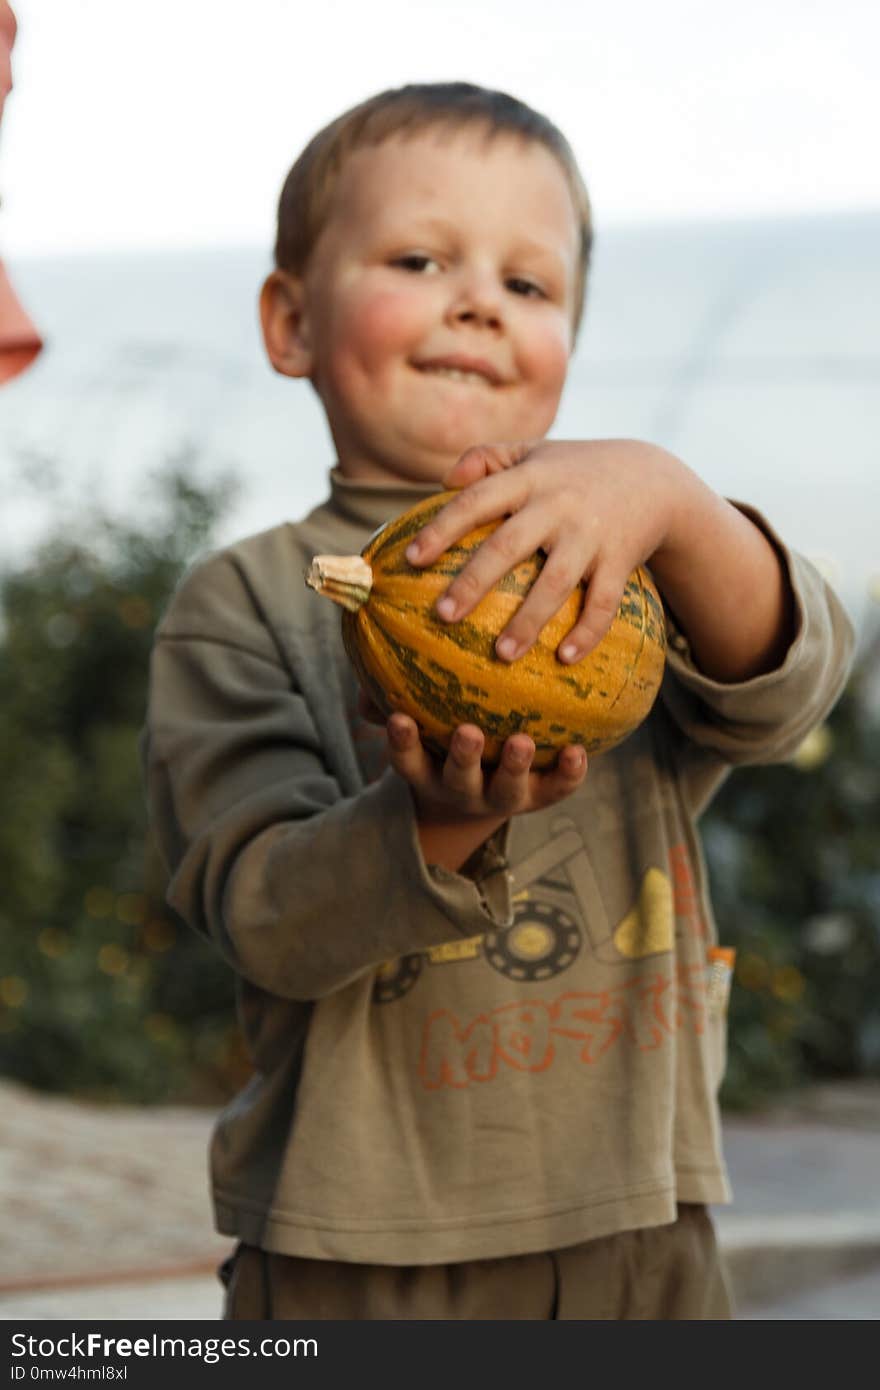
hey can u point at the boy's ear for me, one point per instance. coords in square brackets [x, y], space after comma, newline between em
[284, 324]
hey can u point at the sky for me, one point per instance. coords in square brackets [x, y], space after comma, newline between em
[173, 123]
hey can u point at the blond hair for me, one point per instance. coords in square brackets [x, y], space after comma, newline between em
[306, 196]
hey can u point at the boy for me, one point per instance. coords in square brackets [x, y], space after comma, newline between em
[486, 1057]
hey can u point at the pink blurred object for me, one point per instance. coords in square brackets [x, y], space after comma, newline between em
[8, 30]
[19, 340]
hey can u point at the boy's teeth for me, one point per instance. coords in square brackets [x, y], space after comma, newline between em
[456, 374]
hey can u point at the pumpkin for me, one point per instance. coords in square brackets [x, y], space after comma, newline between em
[445, 674]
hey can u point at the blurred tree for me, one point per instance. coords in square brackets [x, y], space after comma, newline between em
[794, 861]
[102, 991]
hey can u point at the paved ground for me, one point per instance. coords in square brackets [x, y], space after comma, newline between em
[101, 1191]
[112, 1217]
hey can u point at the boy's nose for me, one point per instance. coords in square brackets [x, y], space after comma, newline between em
[477, 300]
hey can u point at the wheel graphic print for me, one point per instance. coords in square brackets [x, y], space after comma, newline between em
[542, 942]
[395, 978]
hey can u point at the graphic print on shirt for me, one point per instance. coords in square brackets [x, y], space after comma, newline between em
[580, 1025]
[558, 909]
[543, 941]
[646, 929]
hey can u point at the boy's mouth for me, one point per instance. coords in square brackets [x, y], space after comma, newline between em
[458, 368]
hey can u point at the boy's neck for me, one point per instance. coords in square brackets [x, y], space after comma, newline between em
[373, 502]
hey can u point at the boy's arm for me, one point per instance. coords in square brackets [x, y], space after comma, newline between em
[452, 844]
[763, 718]
[598, 509]
[302, 888]
[727, 586]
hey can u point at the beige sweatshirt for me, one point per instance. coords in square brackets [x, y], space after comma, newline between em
[447, 1066]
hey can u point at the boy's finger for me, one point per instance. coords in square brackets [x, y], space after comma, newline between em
[406, 753]
[487, 500]
[561, 780]
[462, 769]
[484, 459]
[554, 586]
[509, 788]
[515, 540]
[604, 592]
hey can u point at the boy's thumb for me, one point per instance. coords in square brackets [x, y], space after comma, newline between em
[484, 459]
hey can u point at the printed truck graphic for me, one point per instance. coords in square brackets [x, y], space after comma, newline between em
[557, 908]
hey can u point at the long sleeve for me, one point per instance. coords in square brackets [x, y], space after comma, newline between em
[765, 719]
[302, 886]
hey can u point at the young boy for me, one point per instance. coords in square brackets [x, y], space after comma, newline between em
[486, 1053]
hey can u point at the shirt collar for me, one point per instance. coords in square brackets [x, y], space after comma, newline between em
[372, 504]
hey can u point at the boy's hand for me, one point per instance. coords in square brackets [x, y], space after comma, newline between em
[598, 509]
[459, 788]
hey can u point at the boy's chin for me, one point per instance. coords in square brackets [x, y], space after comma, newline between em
[424, 474]
[407, 472]
[430, 463]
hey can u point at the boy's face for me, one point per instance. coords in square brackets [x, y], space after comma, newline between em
[438, 304]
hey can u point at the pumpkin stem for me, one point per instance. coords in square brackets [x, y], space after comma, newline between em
[346, 579]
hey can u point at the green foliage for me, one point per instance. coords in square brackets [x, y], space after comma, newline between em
[794, 860]
[102, 991]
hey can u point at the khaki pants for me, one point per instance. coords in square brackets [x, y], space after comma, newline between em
[660, 1273]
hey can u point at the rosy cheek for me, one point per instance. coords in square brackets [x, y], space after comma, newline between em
[381, 323]
[547, 356]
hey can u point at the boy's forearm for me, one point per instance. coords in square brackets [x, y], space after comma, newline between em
[451, 843]
[726, 586]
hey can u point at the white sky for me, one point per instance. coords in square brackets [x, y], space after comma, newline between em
[172, 123]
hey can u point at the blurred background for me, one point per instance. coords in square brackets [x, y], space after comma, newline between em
[729, 152]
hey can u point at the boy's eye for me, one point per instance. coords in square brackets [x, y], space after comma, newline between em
[417, 263]
[527, 288]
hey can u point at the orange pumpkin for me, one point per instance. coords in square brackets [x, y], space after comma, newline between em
[445, 674]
